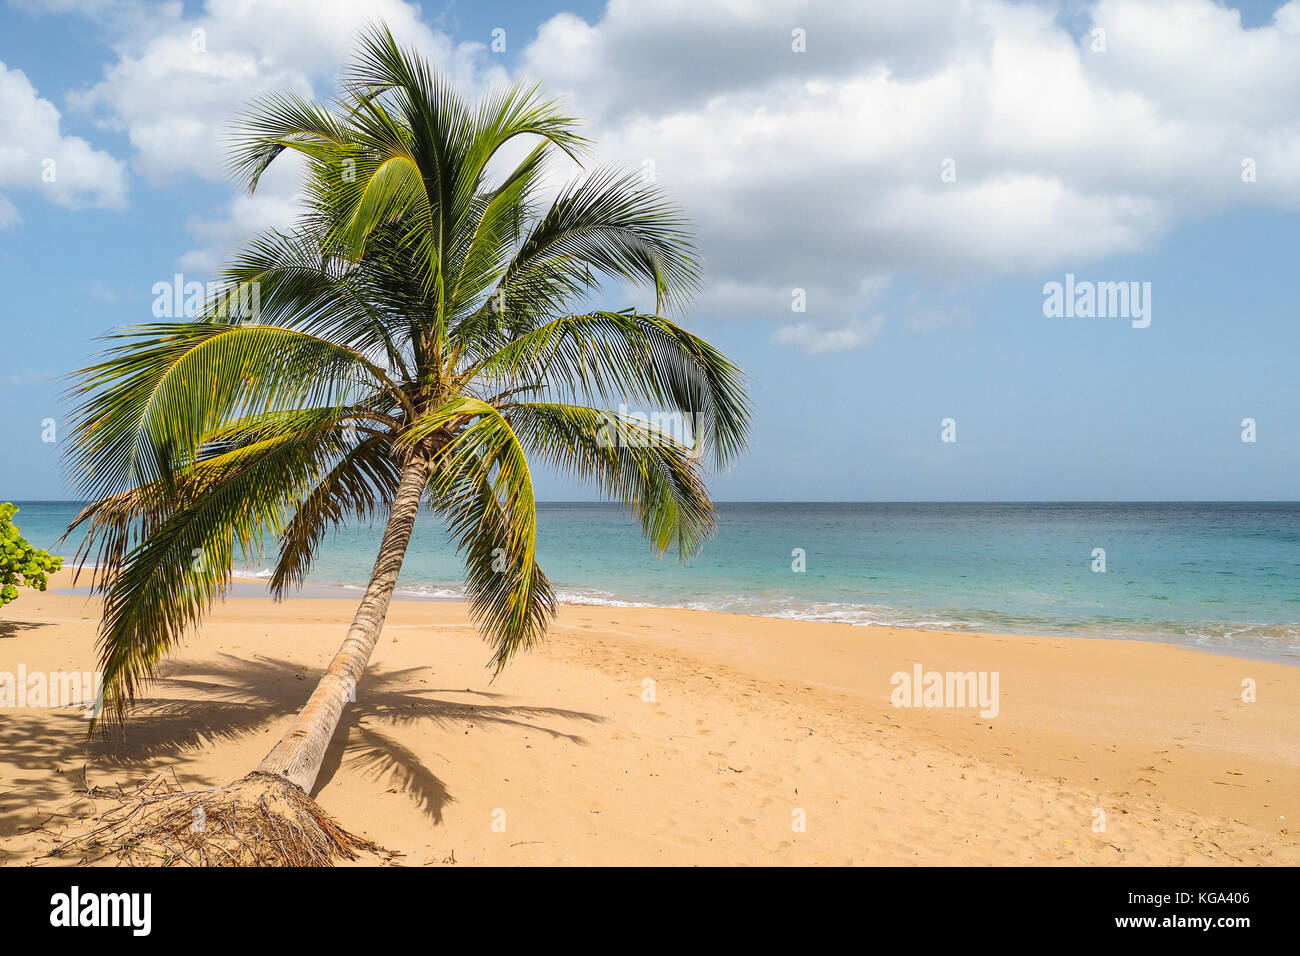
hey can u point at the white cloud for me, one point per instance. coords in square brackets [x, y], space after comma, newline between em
[119, 15]
[177, 85]
[37, 156]
[819, 170]
[819, 339]
[9, 215]
[275, 205]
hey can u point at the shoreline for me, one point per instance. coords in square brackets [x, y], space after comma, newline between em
[750, 720]
[247, 587]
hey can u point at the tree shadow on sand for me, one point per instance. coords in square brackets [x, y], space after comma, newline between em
[14, 628]
[233, 698]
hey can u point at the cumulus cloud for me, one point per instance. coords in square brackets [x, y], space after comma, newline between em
[275, 205]
[37, 156]
[178, 82]
[939, 139]
[819, 339]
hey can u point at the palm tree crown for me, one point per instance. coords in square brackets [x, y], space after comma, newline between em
[422, 322]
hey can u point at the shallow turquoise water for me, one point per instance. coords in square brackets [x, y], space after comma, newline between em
[1214, 575]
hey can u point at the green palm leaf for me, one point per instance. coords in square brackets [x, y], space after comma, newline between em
[421, 332]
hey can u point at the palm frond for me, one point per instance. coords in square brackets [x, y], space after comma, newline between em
[422, 306]
[483, 486]
[152, 398]
[359, 486]
[170, 578]
[618, 224]
[644, 358]
[640, 464]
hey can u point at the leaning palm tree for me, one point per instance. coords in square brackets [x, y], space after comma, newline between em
[421, 333]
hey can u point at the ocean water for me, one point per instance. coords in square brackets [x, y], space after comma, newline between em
[1214, 575]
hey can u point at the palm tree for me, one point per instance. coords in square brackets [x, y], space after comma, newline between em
[419, 334]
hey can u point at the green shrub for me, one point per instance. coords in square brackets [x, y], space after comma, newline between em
[20, 563]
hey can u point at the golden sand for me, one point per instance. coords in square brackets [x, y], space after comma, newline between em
[658, 736]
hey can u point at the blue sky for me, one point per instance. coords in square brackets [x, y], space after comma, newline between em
[819, 171]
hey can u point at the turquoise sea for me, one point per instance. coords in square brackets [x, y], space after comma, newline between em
[1216, 575]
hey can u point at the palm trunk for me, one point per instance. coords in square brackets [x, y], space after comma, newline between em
[299, 754]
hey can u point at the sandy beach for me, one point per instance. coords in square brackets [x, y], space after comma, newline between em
[658, 736]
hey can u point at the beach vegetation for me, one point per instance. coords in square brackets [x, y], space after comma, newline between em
[426, 338]
[21, 565]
